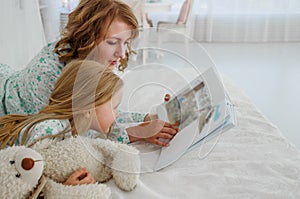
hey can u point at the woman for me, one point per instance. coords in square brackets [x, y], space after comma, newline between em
[89, 34]
[100, 30]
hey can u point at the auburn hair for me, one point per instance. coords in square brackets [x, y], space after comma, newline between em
[88, 25]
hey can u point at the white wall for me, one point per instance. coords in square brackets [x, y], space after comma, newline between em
[277, 27]
[21, 35]
[51, 19]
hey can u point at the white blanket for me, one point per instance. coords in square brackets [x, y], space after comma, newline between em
[252, 160]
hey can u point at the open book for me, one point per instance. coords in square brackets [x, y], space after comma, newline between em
[202, 112]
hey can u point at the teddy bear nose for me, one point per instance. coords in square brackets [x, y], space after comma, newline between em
[27, 163]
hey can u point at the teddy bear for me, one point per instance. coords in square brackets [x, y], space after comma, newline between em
[104, 159]
[21, 169]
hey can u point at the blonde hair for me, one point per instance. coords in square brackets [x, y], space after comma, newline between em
[88, 25]
[82, 86]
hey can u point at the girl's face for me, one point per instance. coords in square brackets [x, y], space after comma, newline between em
[106, 114]
[113, 48]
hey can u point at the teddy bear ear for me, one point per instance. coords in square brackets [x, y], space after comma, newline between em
[38, 189]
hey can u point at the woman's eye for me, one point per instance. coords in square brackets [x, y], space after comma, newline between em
[111, 42]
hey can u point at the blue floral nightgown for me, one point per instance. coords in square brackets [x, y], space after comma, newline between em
[27, 91]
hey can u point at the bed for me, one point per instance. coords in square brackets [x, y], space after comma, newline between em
[251, 160]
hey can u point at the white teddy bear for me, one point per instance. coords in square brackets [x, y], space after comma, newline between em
[20, 171]
[104, 159]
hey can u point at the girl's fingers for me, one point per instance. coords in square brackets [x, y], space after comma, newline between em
[160, 143]
[89, 179]
[173, 126]
[165, 136]
[170, 131]
[167, 124]
[75, 178]
[78, 173]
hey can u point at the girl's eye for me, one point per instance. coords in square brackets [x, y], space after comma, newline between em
[115, 108]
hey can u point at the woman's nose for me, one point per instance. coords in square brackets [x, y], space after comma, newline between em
[120, 51]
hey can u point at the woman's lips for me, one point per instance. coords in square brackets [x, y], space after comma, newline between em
[114, 62]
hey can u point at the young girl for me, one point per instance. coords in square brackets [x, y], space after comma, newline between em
[86, 96]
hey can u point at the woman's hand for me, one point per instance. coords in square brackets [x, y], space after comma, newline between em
[80, 176]
[156, 132]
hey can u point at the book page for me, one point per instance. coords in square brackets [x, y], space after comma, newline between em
[188, 105]
[200, 109]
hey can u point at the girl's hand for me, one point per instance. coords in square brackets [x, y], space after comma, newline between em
[80, 176]
[162, 137]
[156, 132]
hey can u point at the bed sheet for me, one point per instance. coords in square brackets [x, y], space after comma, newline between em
[252, 160]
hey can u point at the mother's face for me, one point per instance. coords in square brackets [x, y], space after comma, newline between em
[112, 49]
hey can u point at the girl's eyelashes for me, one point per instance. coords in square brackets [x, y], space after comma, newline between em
[116, 106]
